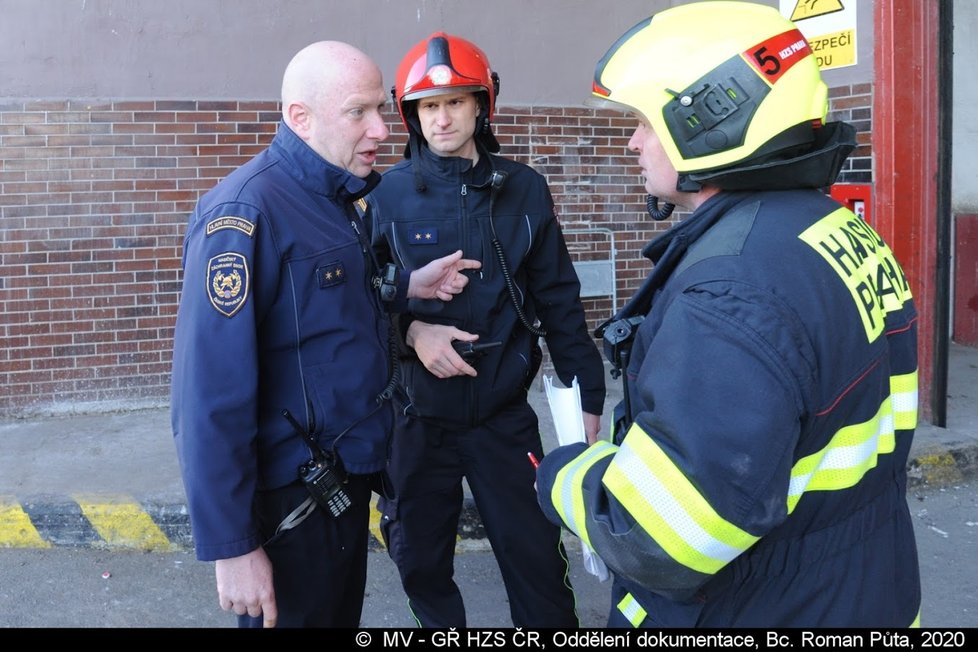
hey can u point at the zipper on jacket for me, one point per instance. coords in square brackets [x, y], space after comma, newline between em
[368, 263]
[363, 248]
[464, 233]
[465, 230]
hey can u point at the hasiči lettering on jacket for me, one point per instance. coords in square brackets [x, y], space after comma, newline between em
[864, 262]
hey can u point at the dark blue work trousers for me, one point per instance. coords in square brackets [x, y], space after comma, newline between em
[320, 566]
[420, 522]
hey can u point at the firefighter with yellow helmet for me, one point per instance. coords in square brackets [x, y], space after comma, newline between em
[756, 473]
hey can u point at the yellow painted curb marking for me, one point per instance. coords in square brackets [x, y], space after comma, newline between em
[939, 468]
[121, 523]
[16, 529]
[375, 520]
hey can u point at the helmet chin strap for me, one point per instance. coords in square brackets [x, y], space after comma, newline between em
[658, 214]
[483, 131]
[414, 146]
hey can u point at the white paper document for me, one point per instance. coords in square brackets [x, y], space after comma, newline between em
[568, 418]
[565, 408]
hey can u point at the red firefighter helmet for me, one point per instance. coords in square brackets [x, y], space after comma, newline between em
[443, 63]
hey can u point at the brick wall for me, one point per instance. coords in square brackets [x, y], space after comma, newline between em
[93, 202]
[853, 104]
[94, 199]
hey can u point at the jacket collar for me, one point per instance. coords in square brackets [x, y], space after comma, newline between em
[316, 174]
[451, 167]
[690, 229]
[667, 250]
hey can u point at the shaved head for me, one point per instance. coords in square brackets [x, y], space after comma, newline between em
[319, 70]
[333, 98]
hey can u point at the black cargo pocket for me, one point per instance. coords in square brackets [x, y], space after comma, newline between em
[536, 359]
[380, 484]
[388, 519]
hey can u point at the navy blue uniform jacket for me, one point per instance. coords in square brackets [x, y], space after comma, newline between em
[276, 313]
[454, 213]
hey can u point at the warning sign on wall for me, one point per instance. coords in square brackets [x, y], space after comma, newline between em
[829, 26]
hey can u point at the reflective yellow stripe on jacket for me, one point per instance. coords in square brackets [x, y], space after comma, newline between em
[566, 494]
[904, 393]
[632, 610]
[854, 449]
[667, 506]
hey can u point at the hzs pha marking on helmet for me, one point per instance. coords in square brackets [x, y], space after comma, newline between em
[729, 94]
[778, 54]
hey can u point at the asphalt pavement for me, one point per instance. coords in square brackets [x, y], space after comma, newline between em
[96, 589]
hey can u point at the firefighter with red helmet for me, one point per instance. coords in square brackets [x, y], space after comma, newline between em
[465, 415]
[756, 475]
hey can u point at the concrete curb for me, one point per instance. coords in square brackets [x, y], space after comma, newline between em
[113, 522]
[120, 522]
[943, 465]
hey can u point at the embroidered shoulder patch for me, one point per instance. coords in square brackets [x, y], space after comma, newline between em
[227, 282]
[331, 274]
[423, 236]
[231, 222]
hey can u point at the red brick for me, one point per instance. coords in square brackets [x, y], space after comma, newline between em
[100, 192]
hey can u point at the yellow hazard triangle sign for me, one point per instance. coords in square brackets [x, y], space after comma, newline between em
[812, 8]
